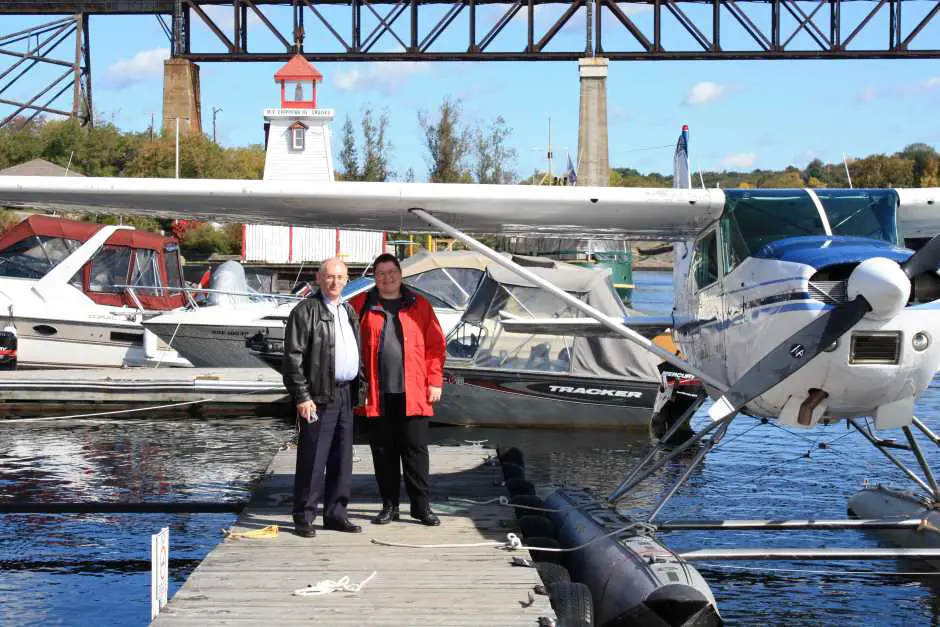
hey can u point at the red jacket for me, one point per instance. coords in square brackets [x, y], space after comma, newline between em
[422, 346]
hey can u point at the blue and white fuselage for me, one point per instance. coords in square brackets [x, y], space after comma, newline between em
[777, 260]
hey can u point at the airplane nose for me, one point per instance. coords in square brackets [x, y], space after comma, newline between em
[883, 284]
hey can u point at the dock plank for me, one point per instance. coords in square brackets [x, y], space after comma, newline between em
[251, 581]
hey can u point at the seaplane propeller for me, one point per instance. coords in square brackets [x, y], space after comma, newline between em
[878, 287]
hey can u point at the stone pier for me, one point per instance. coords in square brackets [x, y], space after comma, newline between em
[593, 160]
[181, 98]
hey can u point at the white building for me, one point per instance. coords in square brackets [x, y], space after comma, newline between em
[298, 147]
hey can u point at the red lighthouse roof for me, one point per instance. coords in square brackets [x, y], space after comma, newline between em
[298, 69]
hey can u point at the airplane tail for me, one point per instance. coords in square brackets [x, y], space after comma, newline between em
[681, 172]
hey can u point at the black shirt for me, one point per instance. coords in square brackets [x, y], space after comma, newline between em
[392, 355]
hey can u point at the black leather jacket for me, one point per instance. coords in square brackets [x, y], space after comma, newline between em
[309, 351]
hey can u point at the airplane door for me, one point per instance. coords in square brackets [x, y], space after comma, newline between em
[707, 304]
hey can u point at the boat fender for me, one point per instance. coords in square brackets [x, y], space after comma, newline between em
[533, 526]
[513, 471]
[545, 556]
[511, 456]
[519, 486]
[552, 573]
[527, 501]
[572, 603]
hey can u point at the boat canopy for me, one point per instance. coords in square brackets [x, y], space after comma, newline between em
[482, 341]
[148, 261]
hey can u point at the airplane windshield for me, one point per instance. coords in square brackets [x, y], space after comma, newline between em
[862, 213]
[756, 217]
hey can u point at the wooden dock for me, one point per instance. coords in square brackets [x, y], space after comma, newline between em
[252, 580]
[24, 392]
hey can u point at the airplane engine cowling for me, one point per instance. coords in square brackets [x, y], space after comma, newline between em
[883, 284]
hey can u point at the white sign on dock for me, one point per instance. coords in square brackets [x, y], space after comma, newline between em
[159, 570]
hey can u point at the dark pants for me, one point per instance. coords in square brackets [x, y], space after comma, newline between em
[324, 460]
[400, 442]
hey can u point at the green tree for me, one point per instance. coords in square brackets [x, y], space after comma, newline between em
[494, 161]
[448, 143]
[375, 146]
[348, 156]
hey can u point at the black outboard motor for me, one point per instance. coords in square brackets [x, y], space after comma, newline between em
[8, 344]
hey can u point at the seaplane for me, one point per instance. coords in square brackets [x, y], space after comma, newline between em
[800, 306]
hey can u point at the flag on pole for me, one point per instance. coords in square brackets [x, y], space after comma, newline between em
[681, 172]
[570, 173]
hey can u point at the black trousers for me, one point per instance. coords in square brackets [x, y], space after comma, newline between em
[324, 460]
[400, 442]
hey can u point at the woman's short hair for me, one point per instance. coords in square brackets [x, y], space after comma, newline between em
[386, 258]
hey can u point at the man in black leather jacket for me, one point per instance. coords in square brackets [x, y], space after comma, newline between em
[321, 372]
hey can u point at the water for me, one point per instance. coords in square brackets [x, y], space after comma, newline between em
[94, 569]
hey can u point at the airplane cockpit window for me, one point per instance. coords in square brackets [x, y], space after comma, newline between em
[862, 213]
[706, 261]
[34, 256]
[757, 217]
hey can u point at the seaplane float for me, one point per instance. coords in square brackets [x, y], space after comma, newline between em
[798, 306]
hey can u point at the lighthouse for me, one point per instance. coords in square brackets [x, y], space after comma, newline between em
[297, 148]
[297, 134]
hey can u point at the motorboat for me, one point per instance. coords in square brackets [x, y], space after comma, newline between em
[495, 377]
[215, 334]
[77, 292]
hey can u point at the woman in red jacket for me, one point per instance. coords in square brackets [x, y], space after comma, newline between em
[402, 357]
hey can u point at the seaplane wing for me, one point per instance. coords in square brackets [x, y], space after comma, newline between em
[598, 212]
[647, 326]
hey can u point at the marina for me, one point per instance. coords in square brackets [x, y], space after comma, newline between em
[254, 580]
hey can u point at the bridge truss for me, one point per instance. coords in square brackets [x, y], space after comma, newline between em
[492, 30]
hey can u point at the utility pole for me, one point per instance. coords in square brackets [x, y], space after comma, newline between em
[215, 110]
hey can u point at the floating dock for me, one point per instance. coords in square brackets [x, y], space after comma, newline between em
[252, 580]
[25, 392]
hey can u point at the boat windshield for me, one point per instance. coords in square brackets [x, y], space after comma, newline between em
[486, 345]
[34, 256]
[454, 286]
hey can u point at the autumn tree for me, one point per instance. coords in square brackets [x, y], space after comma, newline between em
[494, 161]
[448, 143]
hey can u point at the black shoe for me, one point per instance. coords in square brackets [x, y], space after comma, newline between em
[304, 530]
[426, 517]
[387, 515]
[343, 525]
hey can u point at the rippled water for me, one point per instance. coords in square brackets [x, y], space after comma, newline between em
[94, 569]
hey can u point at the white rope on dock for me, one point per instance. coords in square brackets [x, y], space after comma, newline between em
[328, 585]
[514, 543]
[504, 502]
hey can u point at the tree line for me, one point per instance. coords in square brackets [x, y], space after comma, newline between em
[456, 150]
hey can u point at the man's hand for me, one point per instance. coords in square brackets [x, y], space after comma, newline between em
[308, 410]
[434, 394]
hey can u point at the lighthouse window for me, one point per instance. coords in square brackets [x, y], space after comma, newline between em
[297, 138]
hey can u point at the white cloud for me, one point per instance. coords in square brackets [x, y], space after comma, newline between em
[143, 65]
[742, 160]
[929, 84]
[706, 93]
[383, 76]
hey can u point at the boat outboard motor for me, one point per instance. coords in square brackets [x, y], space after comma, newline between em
[229, 281]
[8, 343]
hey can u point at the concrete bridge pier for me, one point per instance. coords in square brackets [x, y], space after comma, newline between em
[181, 97]
[593, 160]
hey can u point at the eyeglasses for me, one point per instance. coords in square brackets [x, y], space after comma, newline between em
[388, 274]
[334, 277]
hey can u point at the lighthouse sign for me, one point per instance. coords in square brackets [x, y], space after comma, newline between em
[326, 114]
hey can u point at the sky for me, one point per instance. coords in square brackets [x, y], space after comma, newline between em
[742, 114]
